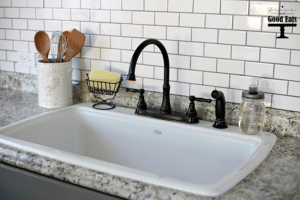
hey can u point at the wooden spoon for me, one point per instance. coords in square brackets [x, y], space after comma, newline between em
[76, 39]
[42, 44]
[62, 45]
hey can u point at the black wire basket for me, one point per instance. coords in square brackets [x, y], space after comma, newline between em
[100, 88]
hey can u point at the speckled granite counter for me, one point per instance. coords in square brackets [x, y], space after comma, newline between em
[278, 177]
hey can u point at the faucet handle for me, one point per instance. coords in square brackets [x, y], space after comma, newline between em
[193, 99]
[191, 112]
[141, 104]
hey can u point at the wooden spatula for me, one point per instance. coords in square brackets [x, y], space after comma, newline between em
[75, 40]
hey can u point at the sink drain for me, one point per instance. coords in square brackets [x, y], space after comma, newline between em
[157, 132]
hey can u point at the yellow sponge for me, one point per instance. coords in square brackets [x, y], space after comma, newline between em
[105, 76]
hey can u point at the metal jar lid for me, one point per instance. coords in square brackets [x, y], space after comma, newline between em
[247, 95]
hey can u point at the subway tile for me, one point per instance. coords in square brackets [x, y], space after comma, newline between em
[177, 61]
[71, 3]
[171, 46]
[5, 3]
[231, 95]
[286, 102]
[157, 32]
[111, 54]
[217, 50]
[99, 64]
[6, 45]
[137, 41]
[261, 39]
[235, 7]
[143, 17]
[7, 66]
[216, 79]
[264, 8]
[61, 14]
[121, 68]
[132, 30]
[90, 52]
[80, 63]
[87, 41]
[44, 13]
[2, 33]
[179, 88]
[27, 13]
[120, 43]
[51, 25]
[100, 41]
[266, 28]
[181, 5]
[247, 23]
[12, 34]
[287, 72]
[100, 15]
[127, 56]
[153, 85]
[121, 16]
[32, 48]
[2, 55]
[295, 58]
[156, 5]
[21, 46]
[80, 15]
[207, 6]
[189, 76]
[204, 35]
[232, 37]
[133, 4]
[91, 4]
[110, 29]
[294, 88]
[245, 53]
[17, 23]
[28, 35]
[294, 6]
[22, 69]
[76, 75]
[293, 42]
[178, 33]
[5, 23]
[12, 56]
[201, 91]
[204, 64]
[230, 66]
[19, 3]
[90, 27]
[35, 24]
[11, 12]
[52, 3]
[2, 12]
[191, 48]
[159, 73]
[162, 18]
[144, 71]
[35, 3]
[219, 21]
[259, 69]
[192, 20]
[153, 59]
[69, 26]
[111, 4]
[275, 56]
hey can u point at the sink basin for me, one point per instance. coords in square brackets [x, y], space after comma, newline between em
[193, 158]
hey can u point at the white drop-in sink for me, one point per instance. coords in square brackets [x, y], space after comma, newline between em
[193, 158]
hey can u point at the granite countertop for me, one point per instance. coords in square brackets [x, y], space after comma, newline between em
[278, 177]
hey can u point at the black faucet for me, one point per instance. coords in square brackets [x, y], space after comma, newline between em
[220, 109]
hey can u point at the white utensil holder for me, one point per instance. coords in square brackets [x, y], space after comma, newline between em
[55, 84]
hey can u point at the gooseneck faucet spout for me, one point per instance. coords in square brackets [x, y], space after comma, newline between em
[166, 106]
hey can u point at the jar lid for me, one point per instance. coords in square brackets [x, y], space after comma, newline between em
[247, 95]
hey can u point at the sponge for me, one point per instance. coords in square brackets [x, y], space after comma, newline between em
[105, 76]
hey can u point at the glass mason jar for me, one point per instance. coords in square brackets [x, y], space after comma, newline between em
[252, 113]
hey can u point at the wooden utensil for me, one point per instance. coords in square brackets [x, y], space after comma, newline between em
[42, 44]
[76, 39]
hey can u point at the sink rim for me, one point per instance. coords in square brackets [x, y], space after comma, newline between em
[267, 142]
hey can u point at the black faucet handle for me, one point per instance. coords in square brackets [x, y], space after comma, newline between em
[141, 104]
[191, 112]
[193, 99]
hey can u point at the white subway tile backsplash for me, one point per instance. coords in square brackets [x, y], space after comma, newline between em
[35, 24]
[110, 54]
[90, 52]
[156, 5]
[5, 3]
[12, 34]
[110, 29]
[215, 79]
[295, 58]
[80, 63]
[217, 50]
[51, 25]
[19, 3]
[171, 46]
[32, 48]
[16, 23]
[179, 88]
[1, 12]
[111, 4]
[27, 35]
[164, 18]
[293, 42]
[287, 72]
[245, 53]
[177, 61]
[132, 30]
[181, 5]
[192, 20]
[53, 3]
[127, 56]
[294, 88]
[80, 15]
[144, 71]
[102, 65]
[62, 14]
[264, 8]
[266, 28]
[261, 39]
[178, 33]
[2, 55]
[21, 69]
[201, 91]
[7, 66]
[275, 55]
[90, 27]
[137, 41]
[191, 48]
[232, 37]
[35, 3]
[247, 23]
[71, 3]
[259, 69]
[5, 23]
[121, 68]
[91, 4]
[120, 43]
[12, 56]
[205, 35]
[235, 7]
[153, 59]
[294, 7]
[11, 12]
[230, 66]
[231, 95]
[100, 15]
[21, 46]
[100, 41]
[43, 13]
[159, 73]
[153, 84]
[158, 32]
[6, 45]
[218, 21]
[27, 13]
[69, 26]
[143, 18]
[76, 75]
[189, 76]
[204, 64]
[121, 16]
[2, 34]
[207, 6]
[286, 102]
[133, 4]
